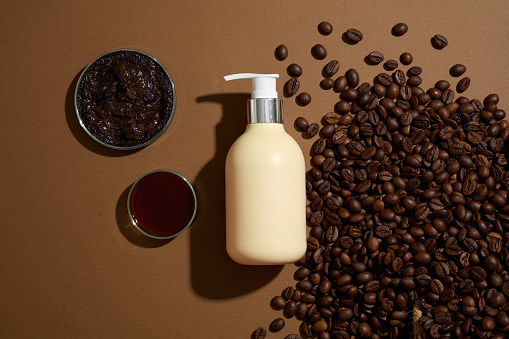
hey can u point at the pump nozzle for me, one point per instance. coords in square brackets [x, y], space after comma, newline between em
[264, 85]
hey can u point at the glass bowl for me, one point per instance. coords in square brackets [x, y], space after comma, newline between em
[124, 99]
[162, 204]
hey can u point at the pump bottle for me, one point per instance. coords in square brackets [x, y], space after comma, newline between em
[265, 184]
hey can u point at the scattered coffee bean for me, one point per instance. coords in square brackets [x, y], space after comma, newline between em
[325, 28]
[319, 52]
[301, 124]
[303, 99]
[406, 58]
[457, 70]
[352, 78]
[399, 29]
[407, 196]
[327, 83]
[439, 41]
[259, 333]
[312, 130]
[463, 85]
[354, 35]
[278, 303]
[331, 68]
[277, 325]
[391, 65]
[375, 57]
[281, 52]
[292, 86]
[294, 70]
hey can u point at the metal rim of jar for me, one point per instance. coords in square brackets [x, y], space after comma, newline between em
[135, 224]
[124, 148]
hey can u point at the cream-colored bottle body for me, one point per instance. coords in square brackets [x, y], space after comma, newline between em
[265, 197]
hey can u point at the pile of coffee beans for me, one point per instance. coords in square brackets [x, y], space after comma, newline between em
[408, 216]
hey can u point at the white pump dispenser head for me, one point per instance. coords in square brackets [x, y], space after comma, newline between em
[264, 106]
[264, 85]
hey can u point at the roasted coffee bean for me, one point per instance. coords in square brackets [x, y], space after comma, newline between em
[354, 35]
[439, 41]
[407, 201]
[325, 28]
[391, 65]
[414, 70]
[303, 99]
[281, 52]
[277, 325]
[259, 333]
[312, 130]
[399, 29]
[301, 124]
[447, 96]
[331, 68]
[399, 77]
[319, 52]
[375, 57]
[352, 77]
[290, 309]
[463, 85]
[406, 58]
[384, 79]
[288, 293]
[327, 83]
[292, 86]
[294, 70]
[457, 70]
[340, 85]
[278, 303]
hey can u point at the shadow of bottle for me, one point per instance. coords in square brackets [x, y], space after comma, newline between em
[213, 274]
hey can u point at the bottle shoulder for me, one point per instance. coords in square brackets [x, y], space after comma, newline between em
[259, 142]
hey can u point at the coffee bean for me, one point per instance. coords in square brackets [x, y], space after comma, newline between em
[406, 58]
[399, 29]
[292, 86]
[259, 333]
[331, 68]
[463, 85]
[439, 41]
[281, 52]
[303, 99]
[301, 124]
[312, 130]
[407, 200]
[352, 77]
[399, 77]
[457, 70]
[290, 309]
[325, 28]
[294, 70]
[277, 325]
[354, 35]
[278, 303]
[375, 57]
[327, 83]
[319, 52]
[415, 70]
[391, 65]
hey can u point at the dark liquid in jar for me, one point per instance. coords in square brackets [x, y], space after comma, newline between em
[162, 204]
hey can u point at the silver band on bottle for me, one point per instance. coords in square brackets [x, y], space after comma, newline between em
[264, 111]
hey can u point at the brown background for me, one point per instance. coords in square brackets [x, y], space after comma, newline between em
[70, 264]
